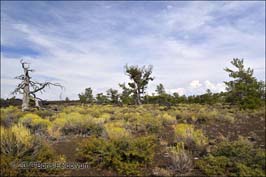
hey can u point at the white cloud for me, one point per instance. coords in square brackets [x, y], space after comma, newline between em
[219, 87]
[169, 7]
[180, 91]
[195, 84]
[183, 42]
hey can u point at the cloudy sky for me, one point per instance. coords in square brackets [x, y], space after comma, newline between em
[86, 44]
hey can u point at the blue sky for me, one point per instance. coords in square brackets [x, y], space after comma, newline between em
[86, 44]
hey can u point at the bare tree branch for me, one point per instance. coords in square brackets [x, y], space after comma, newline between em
[29, 88]
[21, 77]
[41, 86]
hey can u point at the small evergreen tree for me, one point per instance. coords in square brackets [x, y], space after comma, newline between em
[160, 89]
[101, 99]
[67, 99]
[113, 96]
[87, 96]
[244, 90]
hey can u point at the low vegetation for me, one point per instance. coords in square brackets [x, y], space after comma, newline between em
[144, 140]
[237, 158]
[19, 146]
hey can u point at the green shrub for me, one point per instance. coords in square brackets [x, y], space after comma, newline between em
[124, 155]
[45, 113]
[96, 151]
[243, 170]
[214, 166]
[237, 158]
[241, 150]
[140, 149]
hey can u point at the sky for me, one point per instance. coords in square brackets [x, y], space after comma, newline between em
[87, 44]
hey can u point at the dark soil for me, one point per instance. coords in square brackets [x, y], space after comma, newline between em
[251, 127]
[68, 148]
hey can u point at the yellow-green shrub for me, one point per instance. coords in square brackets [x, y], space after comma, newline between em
[16, 140]
[229, 117]
[145, 123]
[57, 125]
[103, 118]
[74, 123]
[35, 122]
[45, 113]
[10, 115]
[187, 132]
[116, 130]
[168, 119]
[19, 145]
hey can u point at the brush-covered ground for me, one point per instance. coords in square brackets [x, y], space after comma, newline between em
[189, 140]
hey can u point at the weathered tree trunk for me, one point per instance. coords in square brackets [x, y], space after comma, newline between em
[37, 103]
[138, 97]
[26, 84]
[26, 91]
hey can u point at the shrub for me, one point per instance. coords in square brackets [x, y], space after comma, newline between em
[240, 150]
[35, 122]
[214, 166]
[116, 130]
[168, 119]
[243, 170]
[161, 172]
[134, 154]
[10, 115]
[45, 113]
[187, 133]
[237, 158]
[17, 141]
[103, 118]
[96, 151]
[57, 125]
[19, 145]
[126, 156]
[229, 117]
[146, 123]
[95, 111]
[74, 123]
[138, 149]
[181, 160]
[206, 114]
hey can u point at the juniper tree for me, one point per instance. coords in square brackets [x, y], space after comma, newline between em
[140, 77]
[101, 98]
[125, 96]
[113, 95]
[87, 96]
[160, 89]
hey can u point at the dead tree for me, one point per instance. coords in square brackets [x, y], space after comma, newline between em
[29, 88]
